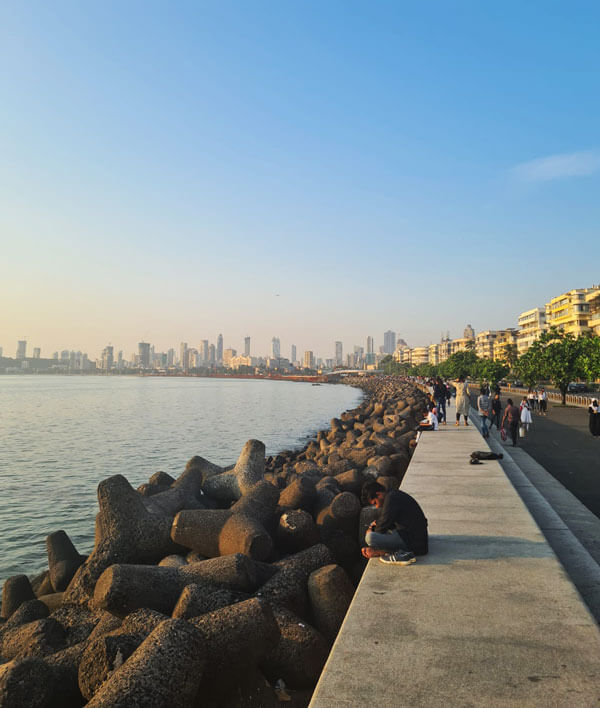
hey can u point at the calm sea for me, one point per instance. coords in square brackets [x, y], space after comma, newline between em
[59, 436]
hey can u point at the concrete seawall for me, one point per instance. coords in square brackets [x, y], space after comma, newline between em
[489, 617]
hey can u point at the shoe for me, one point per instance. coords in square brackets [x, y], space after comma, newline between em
[456, 424]
[399, 558]
[466, 423]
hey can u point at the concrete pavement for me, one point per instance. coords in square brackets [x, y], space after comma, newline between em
[488, 618]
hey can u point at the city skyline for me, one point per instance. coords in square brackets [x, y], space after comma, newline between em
[322, 172]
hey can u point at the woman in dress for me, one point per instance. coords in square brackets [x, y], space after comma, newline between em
[526, 419]
[462, 399]
[594, 412]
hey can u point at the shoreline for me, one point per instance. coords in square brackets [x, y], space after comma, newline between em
[268, 547]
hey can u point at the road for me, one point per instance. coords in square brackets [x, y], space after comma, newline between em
[562, 444]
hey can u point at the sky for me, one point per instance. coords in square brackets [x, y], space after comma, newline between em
[316, 171]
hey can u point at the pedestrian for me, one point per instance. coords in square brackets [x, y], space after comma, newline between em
[594, 412]
[448, 395]
[484, 407]
[439, 393]
[496, 410]
[543, 401]
[526, 419]
[512, 416]
[400, 533]
[531, 399]
[462, 399]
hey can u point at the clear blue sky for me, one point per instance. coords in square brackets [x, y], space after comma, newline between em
[312, 170]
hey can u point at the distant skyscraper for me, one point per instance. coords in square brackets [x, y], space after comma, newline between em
[370, 345]
[339, 354]
[246, 346]
[37, 352]
[107, 358]
[389, 342]
[144, 354]
[309, 360]
[212, 354]
[469, 332]
[219, 352]
[21, 349]
[0, 352]
[204, 351]
[120, 362]
[294, 353]
[275, 348]
[171, 357]
[184, 357]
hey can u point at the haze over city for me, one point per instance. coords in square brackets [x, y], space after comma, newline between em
[314, 171]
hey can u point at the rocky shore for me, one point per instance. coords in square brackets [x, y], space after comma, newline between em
[224, 587]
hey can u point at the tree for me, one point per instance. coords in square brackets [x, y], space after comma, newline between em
[528, 367]
[491, 371]
[511, 354]
[462, 362]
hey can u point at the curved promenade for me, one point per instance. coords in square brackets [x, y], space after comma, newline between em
[488, 618]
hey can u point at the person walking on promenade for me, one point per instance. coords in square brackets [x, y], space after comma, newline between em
[594, 412]
[439, 393]
[484, 407]
[462, 399]
[512, 416]
[496, 410]
[543, 401]
[526, 419]
[400, 531]
[532, 399]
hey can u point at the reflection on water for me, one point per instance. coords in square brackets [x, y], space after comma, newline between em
[60, 436]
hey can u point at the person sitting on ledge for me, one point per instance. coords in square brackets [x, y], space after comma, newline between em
[400, 533]
[430, 422]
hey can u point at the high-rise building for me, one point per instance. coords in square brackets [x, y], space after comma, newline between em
[120, 362]
[171, 357]
[37, 352]
[1, 352]
[21, 349]
[246, 346]
[370, 345]
[294, 359]
[204, 356]
[212, 354]
[275, 348]
[219, 352]
[107, 358]
[184, 357]
[570, 312]
[144, 355]
[309, 360]
[228, 355]
[469, 332]
[389, 342]
[339, 354]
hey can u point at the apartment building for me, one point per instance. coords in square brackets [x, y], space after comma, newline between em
[570, 312]
[460, 345]
[532, 323]
[484, 344]
[420, 355]
[434, 354]
[592, 298]
[506, 344]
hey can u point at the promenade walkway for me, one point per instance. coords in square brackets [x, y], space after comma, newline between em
[488, 618]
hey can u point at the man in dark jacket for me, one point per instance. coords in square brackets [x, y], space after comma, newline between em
[512, 416]
[401, 527]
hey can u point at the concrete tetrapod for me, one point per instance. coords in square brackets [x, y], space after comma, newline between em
[126, 531]
[103, 654]
[63, 560]
[237, 636]
[163, 672]
[330, 592]
[15, 591]
[25, 684]
[217, 532]
[296, 531]
[249, 469]
[121, 589]
[199, 599]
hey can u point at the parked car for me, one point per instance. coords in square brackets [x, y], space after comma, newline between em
[576, 387]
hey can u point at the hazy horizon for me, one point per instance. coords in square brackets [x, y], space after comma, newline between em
[314, 171]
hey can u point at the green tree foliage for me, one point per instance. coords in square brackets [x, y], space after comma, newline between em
[561, 358]
[491, 371]
[463, 362]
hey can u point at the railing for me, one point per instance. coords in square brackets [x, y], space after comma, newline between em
[571, 398]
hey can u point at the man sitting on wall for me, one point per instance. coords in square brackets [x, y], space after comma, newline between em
[401, 530]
